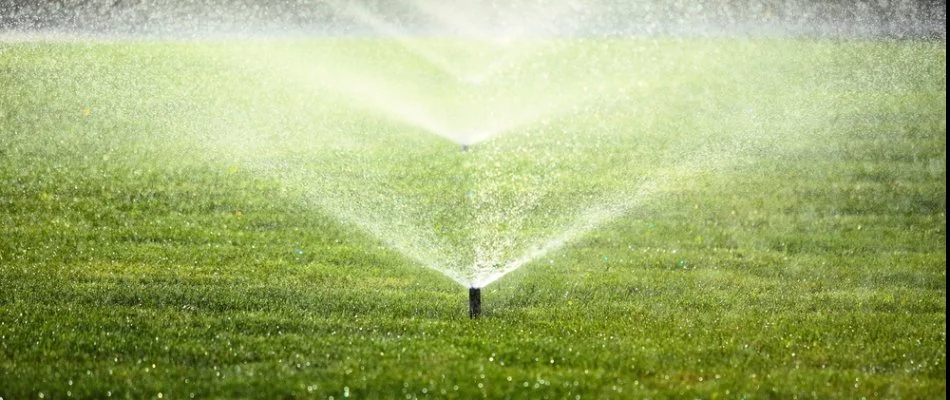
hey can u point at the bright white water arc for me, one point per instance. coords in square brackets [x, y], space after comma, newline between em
[511, 199]
[502, 44]
[498, 34]
[564, 133]
[614, 204]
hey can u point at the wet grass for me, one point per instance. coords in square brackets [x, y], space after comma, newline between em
[137, 263]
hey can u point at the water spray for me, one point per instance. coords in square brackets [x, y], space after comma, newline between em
[474, 302]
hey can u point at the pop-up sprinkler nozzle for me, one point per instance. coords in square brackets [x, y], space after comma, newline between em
[474, 302]
[464, 148]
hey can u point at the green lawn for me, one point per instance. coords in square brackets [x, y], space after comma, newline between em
[741, 218]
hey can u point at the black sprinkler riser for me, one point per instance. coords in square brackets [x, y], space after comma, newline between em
[474, 302]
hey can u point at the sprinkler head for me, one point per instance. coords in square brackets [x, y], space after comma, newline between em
[474, 302]
[464, 148]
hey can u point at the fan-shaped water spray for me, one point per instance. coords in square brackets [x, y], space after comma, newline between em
[537, 104]
[500, 203]
[277, 199]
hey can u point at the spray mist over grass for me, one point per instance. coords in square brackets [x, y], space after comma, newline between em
[641, 126]
[565, 133]
[699, 214]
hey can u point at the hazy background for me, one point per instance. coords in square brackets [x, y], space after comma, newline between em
[178, 18]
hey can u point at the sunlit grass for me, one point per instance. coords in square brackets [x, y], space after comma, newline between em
[159, 233]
